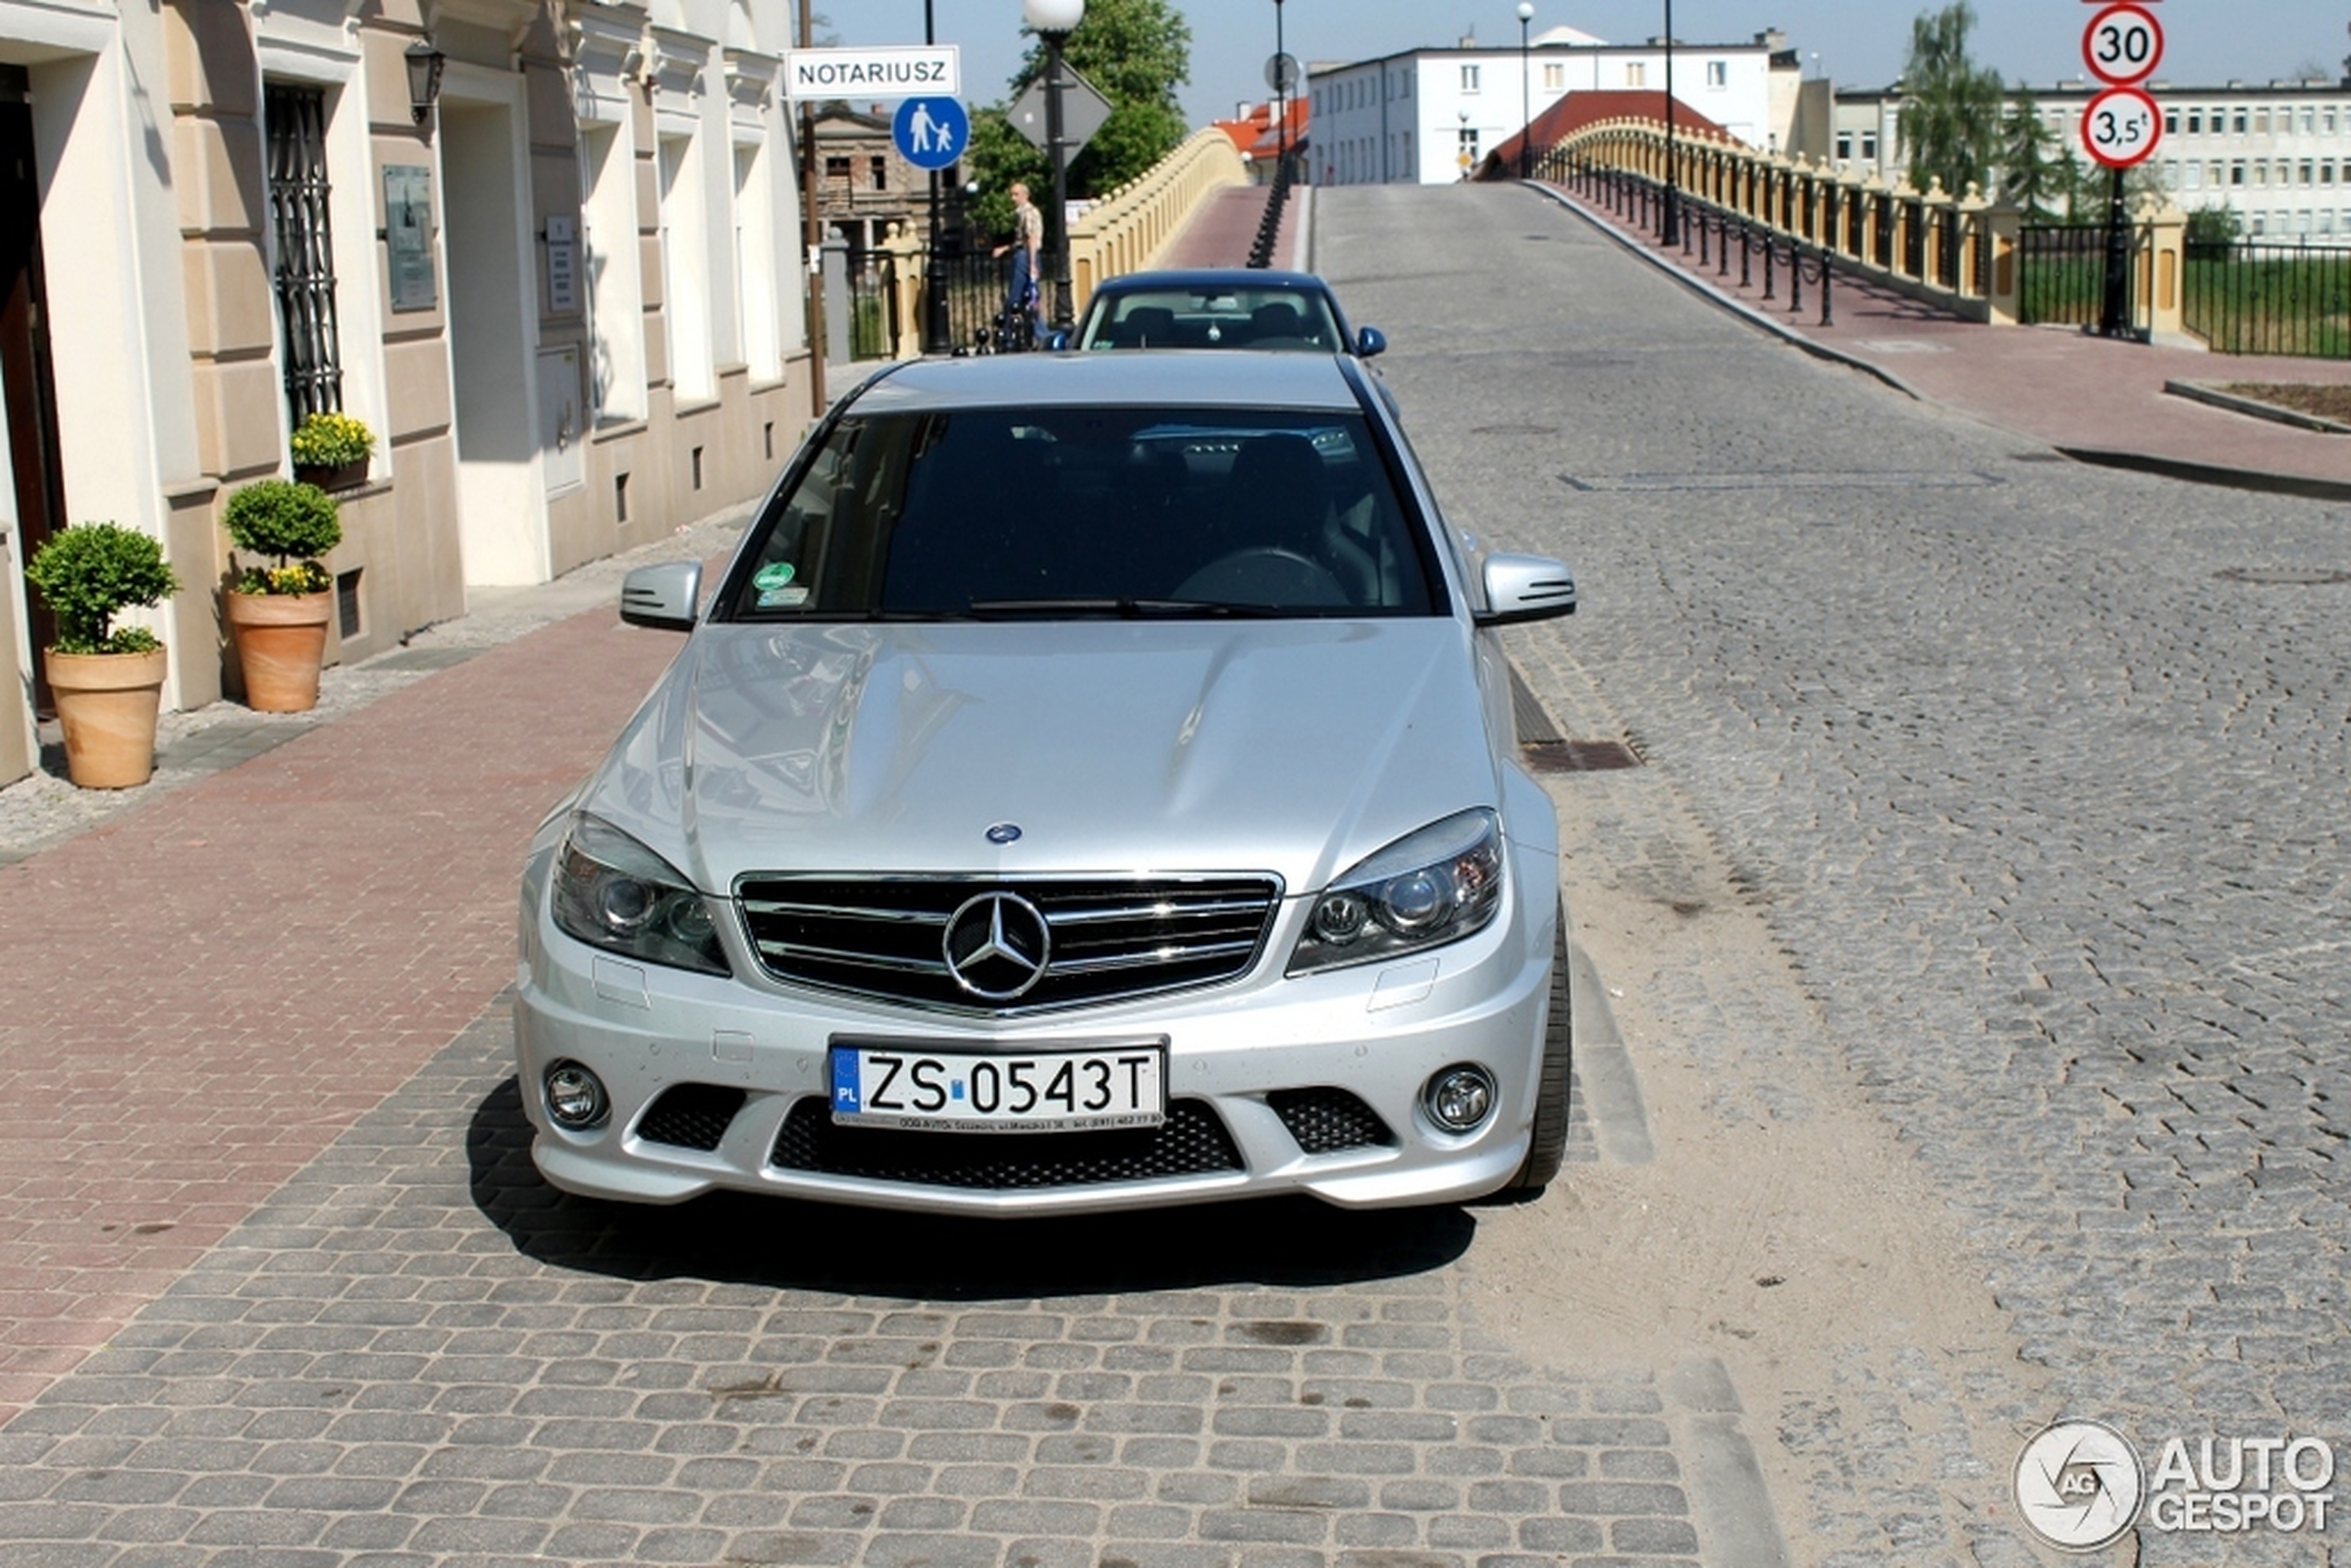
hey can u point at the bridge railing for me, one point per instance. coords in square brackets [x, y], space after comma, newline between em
[1126, 230]
[1962, 253]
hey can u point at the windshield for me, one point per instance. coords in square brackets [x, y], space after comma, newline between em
[1086, 512]
[1277, 316]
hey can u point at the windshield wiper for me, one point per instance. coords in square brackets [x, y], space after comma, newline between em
[1125, 609]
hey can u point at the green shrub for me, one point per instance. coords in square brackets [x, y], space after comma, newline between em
[294, 524]
[328, 439]
[87, 573]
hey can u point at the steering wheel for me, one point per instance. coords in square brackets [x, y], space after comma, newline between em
[1268, 575]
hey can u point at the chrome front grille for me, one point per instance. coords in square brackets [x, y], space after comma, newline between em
[1110, 938]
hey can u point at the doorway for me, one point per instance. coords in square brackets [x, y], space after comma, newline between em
[490, 307]
[26, 384]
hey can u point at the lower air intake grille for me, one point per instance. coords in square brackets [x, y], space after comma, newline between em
[1327, 1120]
[691, 1116]
[1191, 1142]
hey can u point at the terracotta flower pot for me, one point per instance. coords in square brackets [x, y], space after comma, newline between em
[280, 640]
[106, 705]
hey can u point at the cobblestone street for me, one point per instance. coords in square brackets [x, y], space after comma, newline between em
[2035, 771]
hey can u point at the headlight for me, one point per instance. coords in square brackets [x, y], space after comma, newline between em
[614, 893]
[1432, 887]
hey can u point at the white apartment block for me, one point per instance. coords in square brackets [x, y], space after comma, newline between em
[1425, 117]
[2278, 155]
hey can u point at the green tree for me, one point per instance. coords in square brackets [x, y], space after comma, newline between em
[1951, 109]
[2215, 225]
[1136, 53]
[2032, 172]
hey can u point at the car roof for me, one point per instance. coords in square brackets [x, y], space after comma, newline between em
[1171, 377]
[1213, 277]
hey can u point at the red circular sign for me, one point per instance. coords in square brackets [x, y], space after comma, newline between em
[2121, 127]
[2123, 44]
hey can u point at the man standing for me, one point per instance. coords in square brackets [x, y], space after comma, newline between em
[1026, 246]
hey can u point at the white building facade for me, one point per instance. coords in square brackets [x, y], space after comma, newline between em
[2277, 154]
[563, 296]
[1425, 117]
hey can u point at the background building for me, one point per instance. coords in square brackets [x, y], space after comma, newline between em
[563, 294]
[1427, 116]
[2278, 156]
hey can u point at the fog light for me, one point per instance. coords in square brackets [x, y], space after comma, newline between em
[1459, 1098]
[575, 1097]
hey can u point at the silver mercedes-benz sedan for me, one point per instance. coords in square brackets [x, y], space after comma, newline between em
[1090, 786]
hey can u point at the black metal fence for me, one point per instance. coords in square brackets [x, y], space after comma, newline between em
[1704, 232]
[2061, 276]
[2269, 296]
[974, 284]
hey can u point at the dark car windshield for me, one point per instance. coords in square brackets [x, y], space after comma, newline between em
[1053, 512]
[1272, 317]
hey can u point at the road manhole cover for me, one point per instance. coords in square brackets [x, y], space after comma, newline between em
[2284, 577]
[1577, 757]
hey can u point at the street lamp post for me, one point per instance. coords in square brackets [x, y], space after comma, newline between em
[1672, 226]
[1281, 96]
[935, 327]
[1054, 22]
[1525, 96]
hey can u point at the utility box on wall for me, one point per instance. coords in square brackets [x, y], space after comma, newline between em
[561, 419]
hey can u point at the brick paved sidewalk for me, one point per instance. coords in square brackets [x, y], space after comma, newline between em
[1222, 229]
[2092, 397]
[203, 991]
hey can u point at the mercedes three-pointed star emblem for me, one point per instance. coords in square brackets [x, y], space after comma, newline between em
[997, 946]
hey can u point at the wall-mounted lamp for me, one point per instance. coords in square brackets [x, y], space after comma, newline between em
[424, 61]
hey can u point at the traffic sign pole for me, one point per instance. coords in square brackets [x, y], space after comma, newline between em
[2121, 126]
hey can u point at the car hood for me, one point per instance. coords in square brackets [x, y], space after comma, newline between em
[1295, 747]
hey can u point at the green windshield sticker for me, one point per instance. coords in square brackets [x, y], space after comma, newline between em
[772, 576]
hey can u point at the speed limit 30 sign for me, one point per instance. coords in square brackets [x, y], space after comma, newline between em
[2123, 45]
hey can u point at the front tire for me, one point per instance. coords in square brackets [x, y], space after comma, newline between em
[1547, 1147]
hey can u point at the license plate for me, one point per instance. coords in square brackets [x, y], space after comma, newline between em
[915, 1086]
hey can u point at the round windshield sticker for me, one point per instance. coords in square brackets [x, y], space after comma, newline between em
[775, 575]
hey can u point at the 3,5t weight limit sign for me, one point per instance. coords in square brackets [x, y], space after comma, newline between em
[2123, 45]
[2121, 127]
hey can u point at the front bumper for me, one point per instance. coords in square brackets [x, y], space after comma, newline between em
[1237, 1054]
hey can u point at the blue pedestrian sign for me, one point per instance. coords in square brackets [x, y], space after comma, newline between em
[931, 133]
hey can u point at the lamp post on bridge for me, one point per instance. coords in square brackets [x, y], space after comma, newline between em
[1525, 96]
[1671, 230]
[1054, 22]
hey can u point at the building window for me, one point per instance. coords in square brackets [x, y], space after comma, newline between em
[2309, 173]
[2195, 173]
[2242, 120]
[1468, 79]
[2170, 122]
[1636, 74]
[1718, 73]
[296, 118]
[1868, 146]
[1554, 76]
[1844, 147]
[881, 173]
[2195, 123]
[2310, 121]
[837, 169]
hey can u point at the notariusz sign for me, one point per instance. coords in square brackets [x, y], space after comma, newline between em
[922, 71]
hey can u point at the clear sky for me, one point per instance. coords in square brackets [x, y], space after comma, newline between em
[1860, 42]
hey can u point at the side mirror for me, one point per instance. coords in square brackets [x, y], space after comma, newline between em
[1526, 587]
[663, 597]
[1369, 342]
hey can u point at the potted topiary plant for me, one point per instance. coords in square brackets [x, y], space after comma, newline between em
[277, 615]
[331, 449]
[107, 681]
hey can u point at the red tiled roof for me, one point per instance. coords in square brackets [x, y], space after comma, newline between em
[1578, 110]
[1256, 133]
